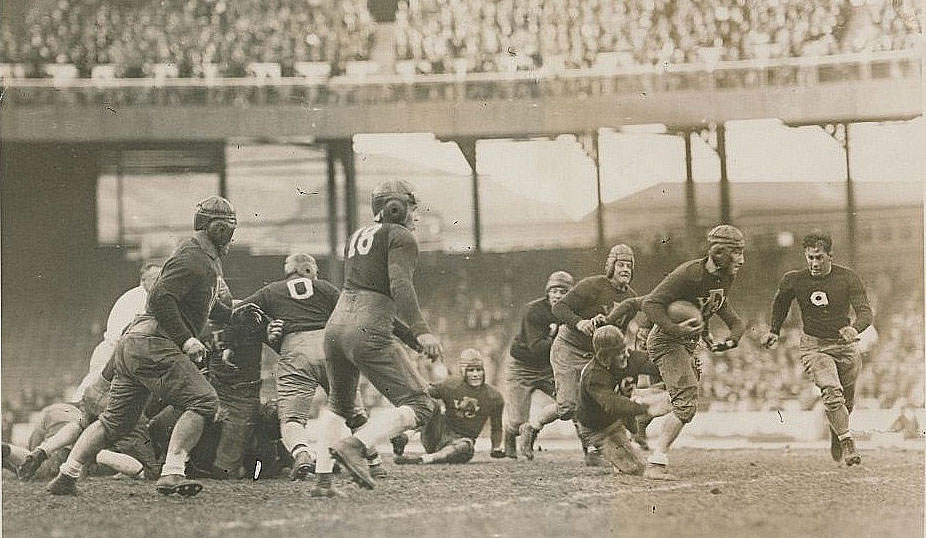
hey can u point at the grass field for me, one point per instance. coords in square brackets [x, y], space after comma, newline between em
[721, 493]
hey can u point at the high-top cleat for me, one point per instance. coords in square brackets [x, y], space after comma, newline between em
[32, 463]
[848, 448]
[408, 460]
[655, 471]
[398, 444]
[593, 459]
[511, 446]
[526, 443]
[62, 485]
[835, 447]
[303, 467]
[170, 484]
[323, 488]
[351, 454]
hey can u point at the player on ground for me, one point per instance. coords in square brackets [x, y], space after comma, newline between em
[450, 436]
[580, 311]
[609, 399]
[379, 264]
[829, 345]
[704, 282]
[155, 354]
[530, 369]
[126, 307]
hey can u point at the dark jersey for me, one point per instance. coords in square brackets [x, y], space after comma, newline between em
[693, 282]
[592, 296]
[469, 407]
[532, 344]
[187, 291]
[304, 304]
[824, 301]
[235, 351]
[381, 258]
[604, 395]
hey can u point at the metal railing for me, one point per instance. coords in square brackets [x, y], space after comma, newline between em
[534, 84]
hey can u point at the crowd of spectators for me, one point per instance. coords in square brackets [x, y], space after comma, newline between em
[202, 38]
[194, 38]
[574, 33]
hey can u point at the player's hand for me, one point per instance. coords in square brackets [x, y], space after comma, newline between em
[656, 400]
[769, 340]
[194, 349]
[586, 326]
[600, 320]
[275, 330]
[848, 334]
[430, 345]
[554, 328]
[690, 328]
[724, 345]
[497, 453]
[247, 313]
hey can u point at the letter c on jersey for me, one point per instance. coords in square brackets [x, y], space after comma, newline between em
[819, 298]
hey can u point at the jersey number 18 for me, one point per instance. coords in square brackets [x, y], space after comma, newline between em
[362, 240]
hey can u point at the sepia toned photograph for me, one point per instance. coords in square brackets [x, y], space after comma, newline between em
[462, 268]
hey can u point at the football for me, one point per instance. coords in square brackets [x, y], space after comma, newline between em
[682, 311]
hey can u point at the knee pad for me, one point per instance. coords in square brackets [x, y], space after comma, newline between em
[685, 404]
[205, 406]
[833, 398]
[565, 411]
[423, 406]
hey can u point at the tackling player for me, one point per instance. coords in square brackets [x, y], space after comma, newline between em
[450, 436]
[580, 311]
[704, 282]
[608, 399]
[379, 264]
[155, 354]
[530, 369]
[829, 345]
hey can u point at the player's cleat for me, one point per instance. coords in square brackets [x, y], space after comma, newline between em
[655, 471]
[7, 464]
[593, 459]
[174, 483]
[303, 466]
[835, 447]
[408, 460]
[526, 442]
[32, 463]
[62, 485]
[377, 471]
[848, 448]
[398, 444]
[351, 454]
[511, 446]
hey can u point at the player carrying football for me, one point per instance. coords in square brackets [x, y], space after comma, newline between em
[155, 354]
[704, 282]
[530, 369]
[829, 348]
[450, 436]
[379, 264]
[581, 311]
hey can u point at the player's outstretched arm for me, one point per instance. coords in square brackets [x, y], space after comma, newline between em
[402, 257]
[780, 306]
[623, 312]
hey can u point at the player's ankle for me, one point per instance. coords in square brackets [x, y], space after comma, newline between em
[658, 457]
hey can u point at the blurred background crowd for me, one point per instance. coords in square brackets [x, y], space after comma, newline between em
[226, 38]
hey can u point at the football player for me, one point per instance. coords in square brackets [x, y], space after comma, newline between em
[829, 345]
[608, 399]
[450, 436]
[156, 352]
[581, 311]
[303, 302]
[379, 264]
[126, 307]
[704, 282]
[530, 369]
